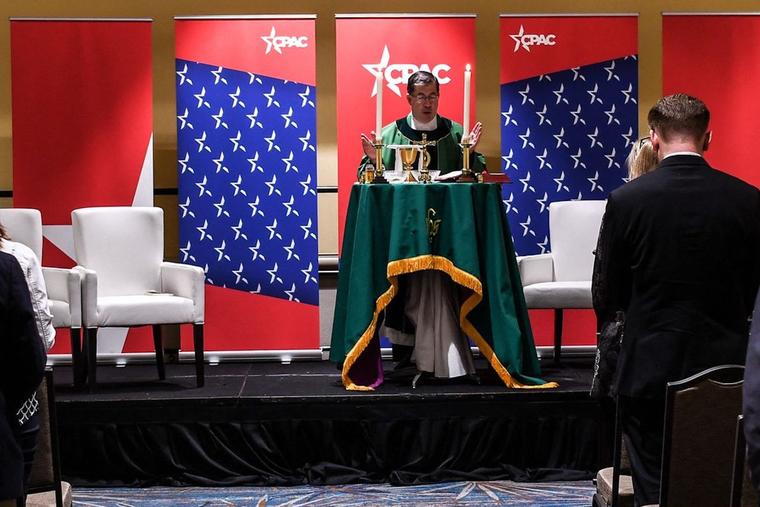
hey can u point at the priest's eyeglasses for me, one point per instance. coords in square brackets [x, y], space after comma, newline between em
[421, 98]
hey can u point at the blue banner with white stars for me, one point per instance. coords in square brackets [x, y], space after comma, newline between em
[246, 152]
[565, 136]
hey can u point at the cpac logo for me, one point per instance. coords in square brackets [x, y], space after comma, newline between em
[397, 74]
[277, 42]
[526, 40]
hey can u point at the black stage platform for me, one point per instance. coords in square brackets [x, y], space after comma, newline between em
[275, 424]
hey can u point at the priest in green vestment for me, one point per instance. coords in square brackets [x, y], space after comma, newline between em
[423, 92]
[422, 322]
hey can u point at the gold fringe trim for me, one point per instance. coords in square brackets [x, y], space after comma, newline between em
[357, 350]
[428, 262]
[354, 387]
[463, 278]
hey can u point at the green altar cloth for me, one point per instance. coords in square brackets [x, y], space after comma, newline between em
[459, 229]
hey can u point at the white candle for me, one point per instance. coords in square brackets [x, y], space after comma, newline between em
[379, 110]
[466, 123]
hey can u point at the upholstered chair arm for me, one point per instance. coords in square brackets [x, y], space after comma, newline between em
[89, 295]
[66, 285]
[56, 283]
[536, 268]
[186, 281]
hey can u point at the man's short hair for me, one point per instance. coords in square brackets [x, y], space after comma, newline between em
[679, 114]
[420, 78]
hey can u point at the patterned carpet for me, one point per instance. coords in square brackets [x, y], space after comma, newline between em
[549, 494]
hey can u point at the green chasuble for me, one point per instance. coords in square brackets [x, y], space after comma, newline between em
[446, 155]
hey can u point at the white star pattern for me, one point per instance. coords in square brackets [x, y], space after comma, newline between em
[235, 98]
[305, 140]
[247, 189]
[236, 143]
[254, 118]
[526, 227]
[288, 119]
[288, 163]
[270, 98]
[565, 136]
[218, 118]
[182, 74]
[184, 207]
[239, 274]
[237, 230]
[202, 142]
[201, 98]
[218, 75]
[236, 186]
[289, 249]
[270, 142]
[542, 159]
[220, 163]
[542, 202]
[508, 160]
[542, 117]
[183, 120]
[508, 117]
[183, 163]
[508, 204]
[305, 97]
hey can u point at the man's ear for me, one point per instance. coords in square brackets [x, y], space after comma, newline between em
[655, 140]
[707, 141]
[409, 99]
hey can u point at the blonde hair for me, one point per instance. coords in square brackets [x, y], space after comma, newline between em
[641, 159]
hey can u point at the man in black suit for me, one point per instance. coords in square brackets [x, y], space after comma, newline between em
[679, 252]
[751, 409]
[22, 364]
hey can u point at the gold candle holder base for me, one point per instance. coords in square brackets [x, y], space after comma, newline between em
[467, 175]
[368, 176]
[379, 178]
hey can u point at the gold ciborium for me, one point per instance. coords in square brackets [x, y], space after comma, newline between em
[408, 155]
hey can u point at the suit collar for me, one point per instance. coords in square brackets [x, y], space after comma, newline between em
[683, 160]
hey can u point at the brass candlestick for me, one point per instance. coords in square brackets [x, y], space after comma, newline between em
[467, 175]
[408, 156]
[379, 178]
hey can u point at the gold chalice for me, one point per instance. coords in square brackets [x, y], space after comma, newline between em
[408, 156]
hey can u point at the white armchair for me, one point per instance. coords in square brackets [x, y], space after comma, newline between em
[562, 279]
[126, 283]
[64, 286]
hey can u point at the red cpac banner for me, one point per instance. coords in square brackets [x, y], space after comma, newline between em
[82, 132]
[536, 45]
[538, 53]
[717, 58]
[269, 64]
[397, 46]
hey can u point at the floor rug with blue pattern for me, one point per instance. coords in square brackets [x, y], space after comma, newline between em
[521, 494]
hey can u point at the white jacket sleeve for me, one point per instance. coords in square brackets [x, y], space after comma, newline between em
[38, 292]
[30, 266]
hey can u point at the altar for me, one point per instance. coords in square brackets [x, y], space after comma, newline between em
[457, 228]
